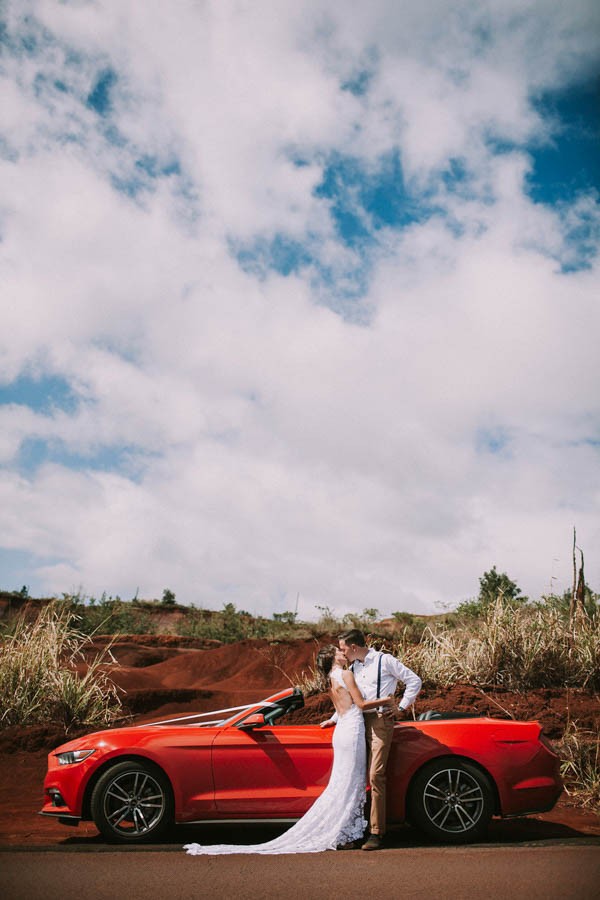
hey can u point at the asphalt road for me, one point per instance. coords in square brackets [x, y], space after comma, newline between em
[567, 871]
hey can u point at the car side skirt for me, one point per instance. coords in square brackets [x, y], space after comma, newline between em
[240, 821]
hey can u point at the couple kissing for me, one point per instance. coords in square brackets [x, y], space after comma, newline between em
[361, 683]
[373, 675]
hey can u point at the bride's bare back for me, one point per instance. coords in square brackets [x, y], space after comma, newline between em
[340, 694]
[345, 693]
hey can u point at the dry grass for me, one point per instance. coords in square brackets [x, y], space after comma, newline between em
[517, 649]
[38, 681]
[309, 681]
[580, 752]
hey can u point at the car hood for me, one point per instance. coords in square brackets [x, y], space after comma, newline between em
[129, 734]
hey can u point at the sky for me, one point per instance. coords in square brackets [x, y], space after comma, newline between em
[299, 300]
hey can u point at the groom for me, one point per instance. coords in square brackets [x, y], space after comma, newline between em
[377, 675]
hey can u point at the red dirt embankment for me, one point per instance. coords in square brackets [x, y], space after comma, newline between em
[162, 675]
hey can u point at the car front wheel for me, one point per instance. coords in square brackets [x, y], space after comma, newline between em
[132, 803]
[451, 801]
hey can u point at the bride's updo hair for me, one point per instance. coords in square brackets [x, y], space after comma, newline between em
[325, 658]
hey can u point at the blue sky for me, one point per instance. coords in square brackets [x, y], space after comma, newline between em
[569, 163]
[298, 304]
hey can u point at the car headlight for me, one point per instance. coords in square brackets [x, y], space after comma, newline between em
[73, 756]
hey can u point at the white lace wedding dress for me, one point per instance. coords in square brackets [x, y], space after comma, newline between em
[336, 817]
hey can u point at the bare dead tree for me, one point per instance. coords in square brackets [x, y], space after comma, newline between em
[577, 606]
[580, 591]
[574, 591]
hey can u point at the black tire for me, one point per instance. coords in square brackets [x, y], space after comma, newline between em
[452, 801]
[132, 803]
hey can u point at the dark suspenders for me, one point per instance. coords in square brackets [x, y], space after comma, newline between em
[378, 673]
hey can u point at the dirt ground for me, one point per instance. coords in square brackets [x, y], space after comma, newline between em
[160, 675]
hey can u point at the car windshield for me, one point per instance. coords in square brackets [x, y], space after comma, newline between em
[275, 710]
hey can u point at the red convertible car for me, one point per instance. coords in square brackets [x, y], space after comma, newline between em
[448, 774]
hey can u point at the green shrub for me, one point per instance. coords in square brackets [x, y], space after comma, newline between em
[364, 621]
[168, 598]
[109, 615]
[413, 626]
[328, 622]
[562, 603]
[227, 625]
[493, 586]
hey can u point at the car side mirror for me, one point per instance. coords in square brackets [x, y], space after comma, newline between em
[257, 720]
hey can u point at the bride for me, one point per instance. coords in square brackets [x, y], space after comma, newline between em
[335, 819]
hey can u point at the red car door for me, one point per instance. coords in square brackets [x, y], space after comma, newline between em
[270, 772]
[185, 753]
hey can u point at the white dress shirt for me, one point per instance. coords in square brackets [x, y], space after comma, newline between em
[392, 671]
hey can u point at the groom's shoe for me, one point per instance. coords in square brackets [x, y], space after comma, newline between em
[373, 842]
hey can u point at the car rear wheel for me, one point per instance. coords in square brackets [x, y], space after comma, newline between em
[451, 801]
[132, 803]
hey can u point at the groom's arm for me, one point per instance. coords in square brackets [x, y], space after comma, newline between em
[412, 682]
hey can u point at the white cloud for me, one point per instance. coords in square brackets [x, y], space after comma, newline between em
[263, 444]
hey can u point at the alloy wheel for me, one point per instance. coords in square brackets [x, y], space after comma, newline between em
[453, 800]
[133, 803]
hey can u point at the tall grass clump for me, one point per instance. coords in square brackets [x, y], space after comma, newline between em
[38, 679]
[580, 753]
[516, 648]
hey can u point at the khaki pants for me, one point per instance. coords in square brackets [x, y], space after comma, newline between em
[379, 731]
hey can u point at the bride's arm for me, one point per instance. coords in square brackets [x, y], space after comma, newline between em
[329, 723]
[358, 698]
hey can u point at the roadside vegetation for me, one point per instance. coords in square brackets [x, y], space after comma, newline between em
[579, 750]
[517, 648]
[109, 615]
[39, 681]
[498, 640]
